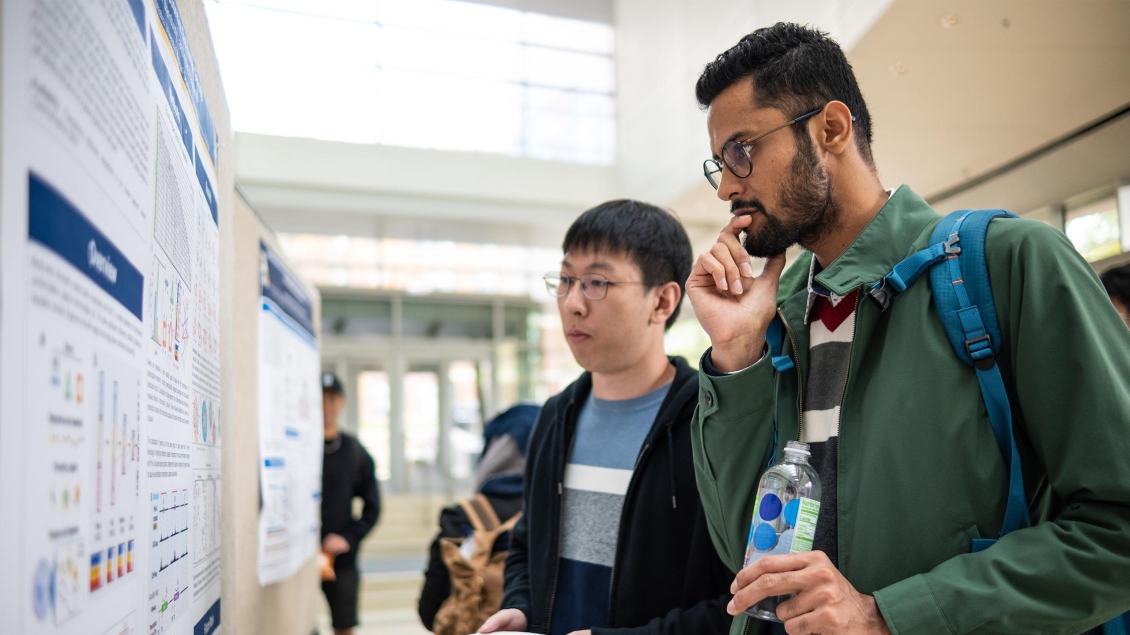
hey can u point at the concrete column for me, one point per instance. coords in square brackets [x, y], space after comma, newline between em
[498, 334]
[396, 370]
[347, 375]
[446, 423]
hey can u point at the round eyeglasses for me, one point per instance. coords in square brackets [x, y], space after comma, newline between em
[593, 285]
[735, 154]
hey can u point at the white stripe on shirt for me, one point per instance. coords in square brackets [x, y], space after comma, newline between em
[597, 479]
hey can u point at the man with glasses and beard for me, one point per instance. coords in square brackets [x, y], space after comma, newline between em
[911, 473]
[613, 538]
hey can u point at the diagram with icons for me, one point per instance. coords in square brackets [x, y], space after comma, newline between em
[168, 309]
[205, 420]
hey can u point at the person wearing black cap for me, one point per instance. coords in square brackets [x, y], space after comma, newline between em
[348, 472]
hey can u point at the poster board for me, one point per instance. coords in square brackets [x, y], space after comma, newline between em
[290, 422]
[110, 413]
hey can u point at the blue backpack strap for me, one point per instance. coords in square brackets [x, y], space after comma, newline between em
[964, 301]
[907, 272]
[775, 337]
[1118, 626]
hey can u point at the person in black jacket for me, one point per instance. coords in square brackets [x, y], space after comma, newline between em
[499, 478]
[613, 539]
[348, 472]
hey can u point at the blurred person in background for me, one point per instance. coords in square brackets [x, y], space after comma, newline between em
[915, 484]
[1117, 283]
[498, 482]
[348, 472]
[613, 538]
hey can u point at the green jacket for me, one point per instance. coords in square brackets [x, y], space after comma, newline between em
[920, 475]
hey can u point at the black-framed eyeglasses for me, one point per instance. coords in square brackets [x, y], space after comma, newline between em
[593, 285]
[735, 154]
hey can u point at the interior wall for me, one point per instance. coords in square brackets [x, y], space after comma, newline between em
[290, 607]
[661, 48]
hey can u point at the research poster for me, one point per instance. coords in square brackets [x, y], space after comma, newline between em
[290, 423]
[110, 415]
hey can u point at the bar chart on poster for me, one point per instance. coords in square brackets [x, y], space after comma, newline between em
[110, 413]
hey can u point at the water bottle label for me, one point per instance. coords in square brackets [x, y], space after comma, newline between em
[804, 521]
[778, 529]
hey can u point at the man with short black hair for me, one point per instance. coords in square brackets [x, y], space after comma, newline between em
[613, 539]
[1117, 283]
[915, 485]
[348, 472]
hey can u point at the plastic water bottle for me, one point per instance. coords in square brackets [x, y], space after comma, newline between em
[784, 516]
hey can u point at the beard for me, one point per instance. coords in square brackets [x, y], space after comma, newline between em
[806, 211]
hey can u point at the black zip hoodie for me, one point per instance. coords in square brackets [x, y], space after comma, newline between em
[667, 578]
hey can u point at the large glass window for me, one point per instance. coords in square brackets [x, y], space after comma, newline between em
[1094, 228]
[420, 266]
[373, 418]
[422, 73]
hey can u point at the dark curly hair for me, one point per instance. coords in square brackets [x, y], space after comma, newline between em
[1117, 283]
[794, 68]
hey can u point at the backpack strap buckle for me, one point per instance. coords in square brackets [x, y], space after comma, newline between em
[951, 244]
[980, 350]
[881, 294]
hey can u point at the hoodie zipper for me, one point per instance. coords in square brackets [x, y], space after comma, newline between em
[560, 523]
[612, 574]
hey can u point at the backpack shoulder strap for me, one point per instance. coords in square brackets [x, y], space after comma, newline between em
[964, 301]
[480, 513]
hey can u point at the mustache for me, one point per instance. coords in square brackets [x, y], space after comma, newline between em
[754, 204]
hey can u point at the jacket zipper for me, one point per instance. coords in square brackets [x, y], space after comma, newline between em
[799, 379]
[612, 574]
[843, 392]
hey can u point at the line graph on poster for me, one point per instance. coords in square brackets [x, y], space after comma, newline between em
[169, 535]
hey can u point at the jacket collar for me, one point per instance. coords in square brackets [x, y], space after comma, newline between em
[895, 232]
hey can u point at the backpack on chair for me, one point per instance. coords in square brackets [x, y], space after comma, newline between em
[476, 577]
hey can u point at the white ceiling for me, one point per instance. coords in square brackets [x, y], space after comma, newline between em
[1007, 77]
[587, 10]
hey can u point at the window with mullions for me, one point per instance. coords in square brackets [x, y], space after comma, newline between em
[422, 73]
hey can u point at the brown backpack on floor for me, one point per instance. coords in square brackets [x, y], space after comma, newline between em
[476, 584]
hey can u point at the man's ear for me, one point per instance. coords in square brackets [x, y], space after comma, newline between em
[666, 300]
[834, 127]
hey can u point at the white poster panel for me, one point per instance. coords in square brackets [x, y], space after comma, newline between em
[290, 424]
[109, 383]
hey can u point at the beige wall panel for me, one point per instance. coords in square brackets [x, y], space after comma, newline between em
[290, 607]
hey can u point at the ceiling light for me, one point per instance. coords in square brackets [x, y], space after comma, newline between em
[948, 21]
